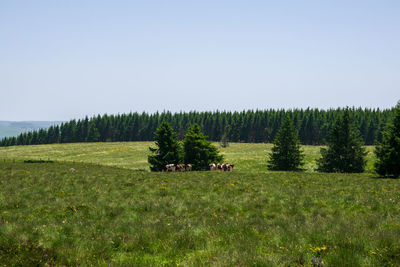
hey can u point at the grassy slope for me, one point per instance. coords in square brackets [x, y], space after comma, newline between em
[133, 155]
[116, 216]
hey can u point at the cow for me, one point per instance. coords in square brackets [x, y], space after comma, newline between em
[231, 166]
[188, 167]
[219, 167]
[169, 168]
[226, 167]
[213, 167]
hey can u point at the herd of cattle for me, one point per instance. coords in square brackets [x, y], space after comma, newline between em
[177, 168]
[225, 167]
[188, 167]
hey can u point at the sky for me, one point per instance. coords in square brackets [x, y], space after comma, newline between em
[62, 60]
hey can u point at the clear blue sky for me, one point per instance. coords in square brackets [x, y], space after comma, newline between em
[66, 59]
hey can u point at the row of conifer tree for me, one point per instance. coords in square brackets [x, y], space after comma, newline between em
[345, 151]
[313, 126]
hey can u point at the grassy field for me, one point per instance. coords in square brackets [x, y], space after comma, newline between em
[133, 155]
[115, 212]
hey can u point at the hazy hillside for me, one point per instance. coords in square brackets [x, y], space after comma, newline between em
[13, 128]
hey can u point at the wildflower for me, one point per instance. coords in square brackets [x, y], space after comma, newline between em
[372, 252]
[232, 184]
[5, 212]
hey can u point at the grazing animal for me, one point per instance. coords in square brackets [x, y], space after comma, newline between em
[219, 167]
[169, 167]
[182, 167]
[226, 167]
[188, 167]
[213, 167]
[231, 166]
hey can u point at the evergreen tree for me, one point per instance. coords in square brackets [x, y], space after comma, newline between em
[345, 152]
[388, 151]
[286, 154]
[247, 126]
[224, 139]
[167, 150]
[198, 151]
[93, 133]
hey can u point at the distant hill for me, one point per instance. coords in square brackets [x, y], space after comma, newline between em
[13, 128]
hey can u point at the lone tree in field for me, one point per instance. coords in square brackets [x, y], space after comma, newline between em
[198, 151]
[388, 151]
[345, 151]
[286, 154]
[167, 151]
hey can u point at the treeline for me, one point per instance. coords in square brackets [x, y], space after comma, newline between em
[313, 126]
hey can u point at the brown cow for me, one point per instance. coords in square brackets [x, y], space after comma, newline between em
[226, 167]
[188, 167]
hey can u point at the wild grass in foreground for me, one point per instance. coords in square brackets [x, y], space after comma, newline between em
[100, 215]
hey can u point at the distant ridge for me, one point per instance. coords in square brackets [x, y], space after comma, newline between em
[13, 128]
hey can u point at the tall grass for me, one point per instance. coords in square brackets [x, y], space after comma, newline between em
[94, 214]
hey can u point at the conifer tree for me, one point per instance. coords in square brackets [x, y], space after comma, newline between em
[345, 152]
[388, 151]
[198, 151]
[167, 150]
[286, 154]
[93, 133]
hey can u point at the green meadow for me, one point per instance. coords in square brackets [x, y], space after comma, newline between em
[111, 211]
[247, 157]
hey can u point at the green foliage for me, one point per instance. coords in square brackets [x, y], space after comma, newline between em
[388, 151]
[345, 152]
[198, 151]
[224, 141]
[168, 149]
[257, 126]
[286, 154]
[93, 133]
